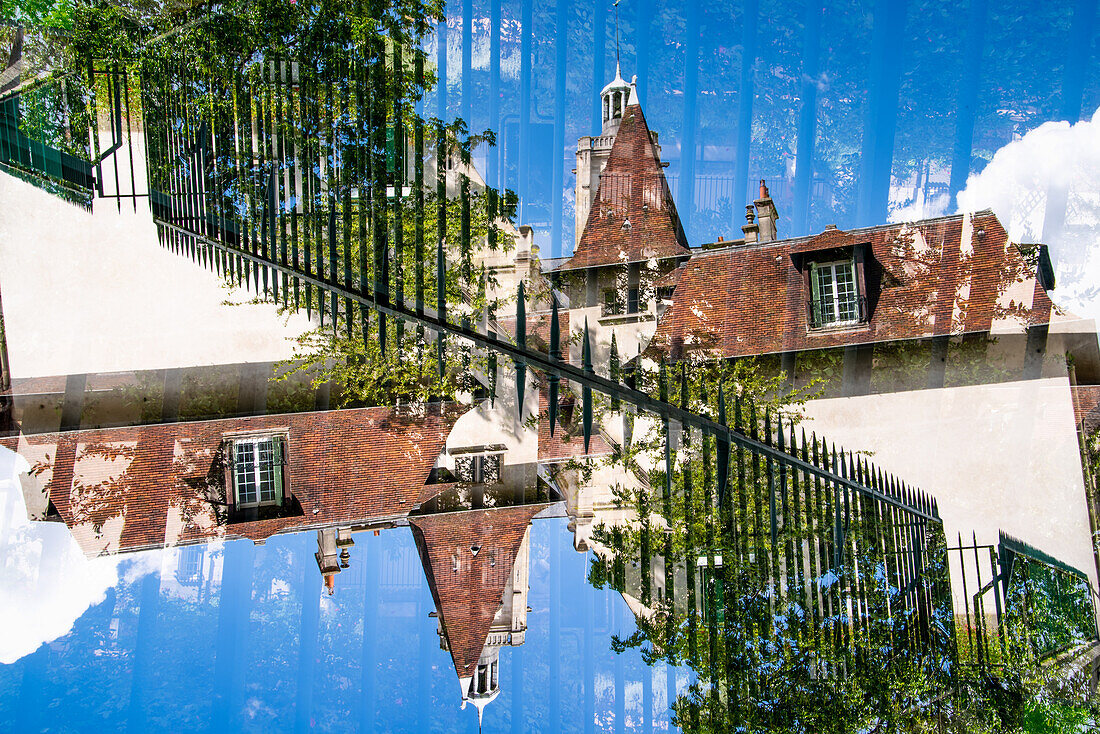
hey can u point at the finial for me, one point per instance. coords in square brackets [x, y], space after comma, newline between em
[750, 214]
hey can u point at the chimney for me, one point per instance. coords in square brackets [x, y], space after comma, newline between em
[751, 229]
[721, 238]
[765, 209]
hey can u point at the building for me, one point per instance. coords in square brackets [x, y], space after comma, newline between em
[934, 345]
[476, 564]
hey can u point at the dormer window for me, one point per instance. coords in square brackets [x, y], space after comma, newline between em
[479, 468]
[257, 471]
[835, 298]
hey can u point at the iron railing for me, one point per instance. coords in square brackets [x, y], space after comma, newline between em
[43, 134]
[284, 184]
[1019, 605]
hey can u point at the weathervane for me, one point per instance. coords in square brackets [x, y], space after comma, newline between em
[616, 6]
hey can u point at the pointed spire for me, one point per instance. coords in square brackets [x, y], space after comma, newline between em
[632, 188]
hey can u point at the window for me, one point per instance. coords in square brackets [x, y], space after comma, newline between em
[612, 305]
[258, 471]
[835, 295]
[189, 564]
[632, 300]
[479, 468]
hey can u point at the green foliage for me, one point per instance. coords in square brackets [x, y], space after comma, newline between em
[38, 13]
[407, 373]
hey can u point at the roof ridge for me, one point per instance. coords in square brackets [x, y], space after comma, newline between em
[803, 238]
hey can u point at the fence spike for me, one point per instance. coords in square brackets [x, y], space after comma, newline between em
[614, 372]
[521, 342]
[721, 403]
[521, 317]
[685, 434]
[723, 446]
[662, 381]
[555, 329]
[493, 379]
[767, 426]
[552, 400]
[555, 354]
[684, 397]
[586, 391]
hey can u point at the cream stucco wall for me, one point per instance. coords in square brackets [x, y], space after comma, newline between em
[996, 457]
[94, 291]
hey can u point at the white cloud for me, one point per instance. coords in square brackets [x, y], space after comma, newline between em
[47, 581]
[1025, 185]
[912, 211]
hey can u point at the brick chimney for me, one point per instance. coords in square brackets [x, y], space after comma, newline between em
[767, 214]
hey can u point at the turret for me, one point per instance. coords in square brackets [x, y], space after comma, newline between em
[614, 98]
[594, 151]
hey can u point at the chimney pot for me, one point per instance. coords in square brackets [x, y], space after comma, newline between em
[763, 189]
[721, 238]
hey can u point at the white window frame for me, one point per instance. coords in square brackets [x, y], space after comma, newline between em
[833, 319]
[258, 475]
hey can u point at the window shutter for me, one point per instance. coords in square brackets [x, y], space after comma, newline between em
[278, 448]
[228, 478]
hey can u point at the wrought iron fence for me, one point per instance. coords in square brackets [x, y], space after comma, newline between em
[72, 134]
[762, 574]
[1019, 605]
[279, 178]
[43, 136]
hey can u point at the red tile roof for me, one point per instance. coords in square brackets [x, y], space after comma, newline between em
[468, 559]
[933, 278]
[129, 488]
[632, 187]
